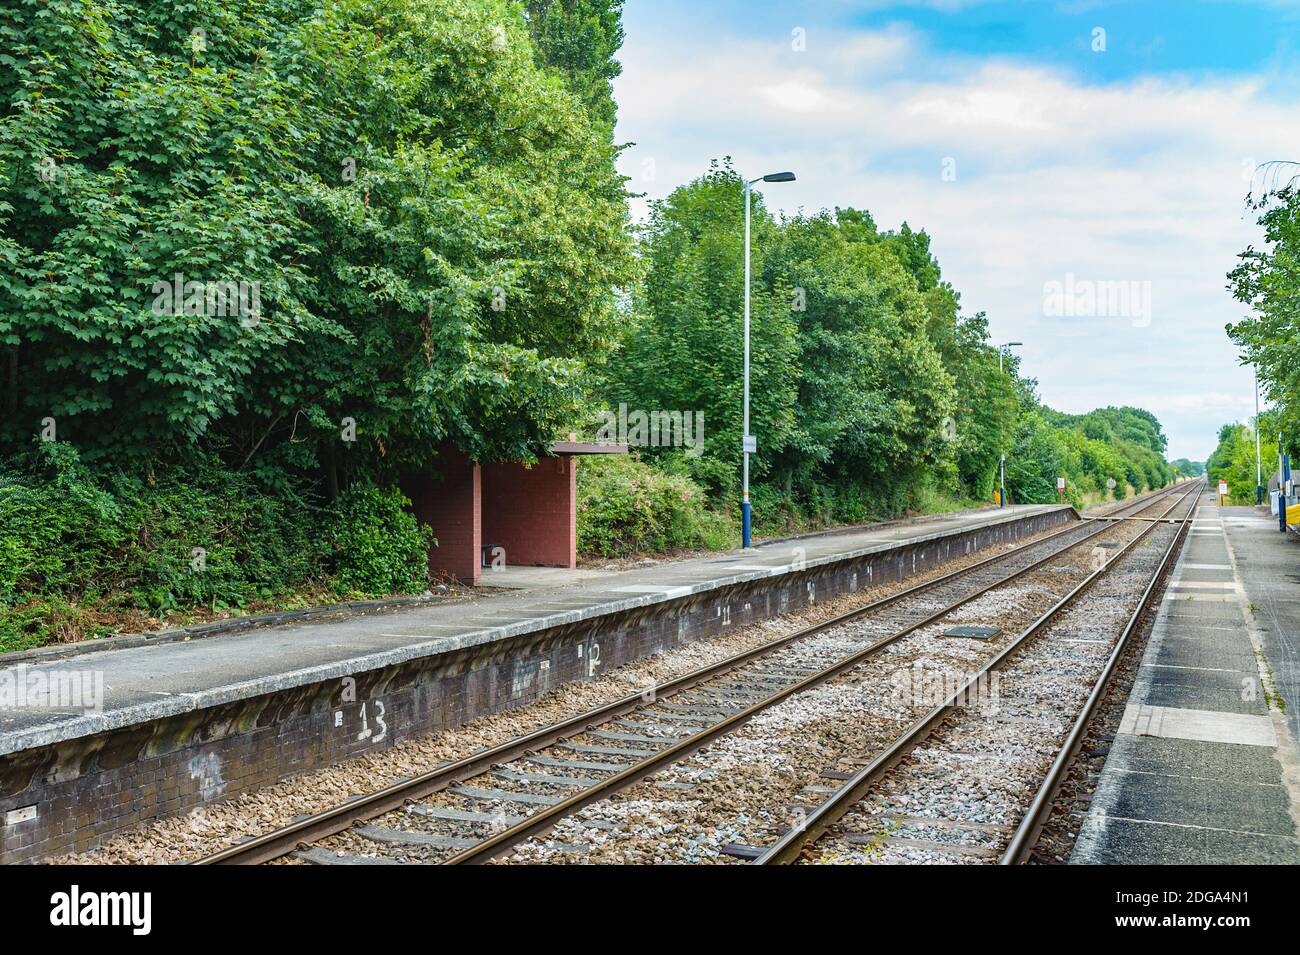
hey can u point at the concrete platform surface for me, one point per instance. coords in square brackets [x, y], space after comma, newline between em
[1203, 769]
[145, 683]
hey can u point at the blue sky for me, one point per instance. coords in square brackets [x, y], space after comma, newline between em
[1035, 160]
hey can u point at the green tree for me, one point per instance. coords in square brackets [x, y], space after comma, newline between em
[684, 351]
[1266, 280]
[580, 38]
[873, 391]
[384, 171]
[1039, 455]
[1233, 459]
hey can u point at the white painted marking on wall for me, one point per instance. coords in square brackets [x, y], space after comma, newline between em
[21, 814]
[206, 769]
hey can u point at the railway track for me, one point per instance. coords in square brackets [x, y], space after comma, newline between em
[969, 752]
[477, 808]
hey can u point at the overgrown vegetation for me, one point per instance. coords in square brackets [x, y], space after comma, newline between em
[1234, 460]
[418, 205]
[377, 178]
[871, 393]
[382, 171]
[1123, 445]
[1265, 280]
[378, 545]
[626, 507]
[81, 552]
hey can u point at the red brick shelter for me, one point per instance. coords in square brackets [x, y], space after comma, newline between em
[528, 511]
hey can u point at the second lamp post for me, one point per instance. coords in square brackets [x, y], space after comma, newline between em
[1002, 484]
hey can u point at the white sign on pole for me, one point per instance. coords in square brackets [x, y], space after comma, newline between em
[1223, 487]
[1060, 484]
[1110, 483]
[750, 444]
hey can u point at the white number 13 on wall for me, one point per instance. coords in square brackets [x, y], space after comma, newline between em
[366, 731]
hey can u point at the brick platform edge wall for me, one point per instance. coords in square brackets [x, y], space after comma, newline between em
[88, 789]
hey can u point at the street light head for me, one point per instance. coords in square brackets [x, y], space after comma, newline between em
[779, 177]
[1013, 344]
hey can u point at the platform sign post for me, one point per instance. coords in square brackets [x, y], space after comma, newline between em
[1060, 485]
[1223, 491]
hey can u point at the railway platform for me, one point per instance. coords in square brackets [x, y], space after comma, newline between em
[1205, 767]
[179, 723]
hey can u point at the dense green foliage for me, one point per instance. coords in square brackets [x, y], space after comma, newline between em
[1188, 468]
[1268, 281]
[626, 507]
[1125, 445]
[384, 171]
[869, 389]
[379, 546]
[1234, 458]
[673, 355]
[77, 546]
[580, 38]
[74, 542]
[377, 179]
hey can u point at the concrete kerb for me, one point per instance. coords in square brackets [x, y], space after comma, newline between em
[127, 641]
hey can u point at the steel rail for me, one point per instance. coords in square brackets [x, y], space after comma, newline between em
[790, 846]
[1027, 833]
[545, 819]
[285, 839]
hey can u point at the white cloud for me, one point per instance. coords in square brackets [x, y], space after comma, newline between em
[1137, 181]
[795, 96]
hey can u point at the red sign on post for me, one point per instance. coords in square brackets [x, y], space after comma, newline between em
[1223, 488]
[1060, 485]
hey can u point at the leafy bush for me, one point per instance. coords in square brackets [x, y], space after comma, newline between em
[379, 546]
[83, 552]
[1234, 458]
[627, 507]
[73, 540]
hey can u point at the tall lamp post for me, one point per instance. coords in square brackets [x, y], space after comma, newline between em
[1259, 468]
[1002, 485]
[748, 443]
